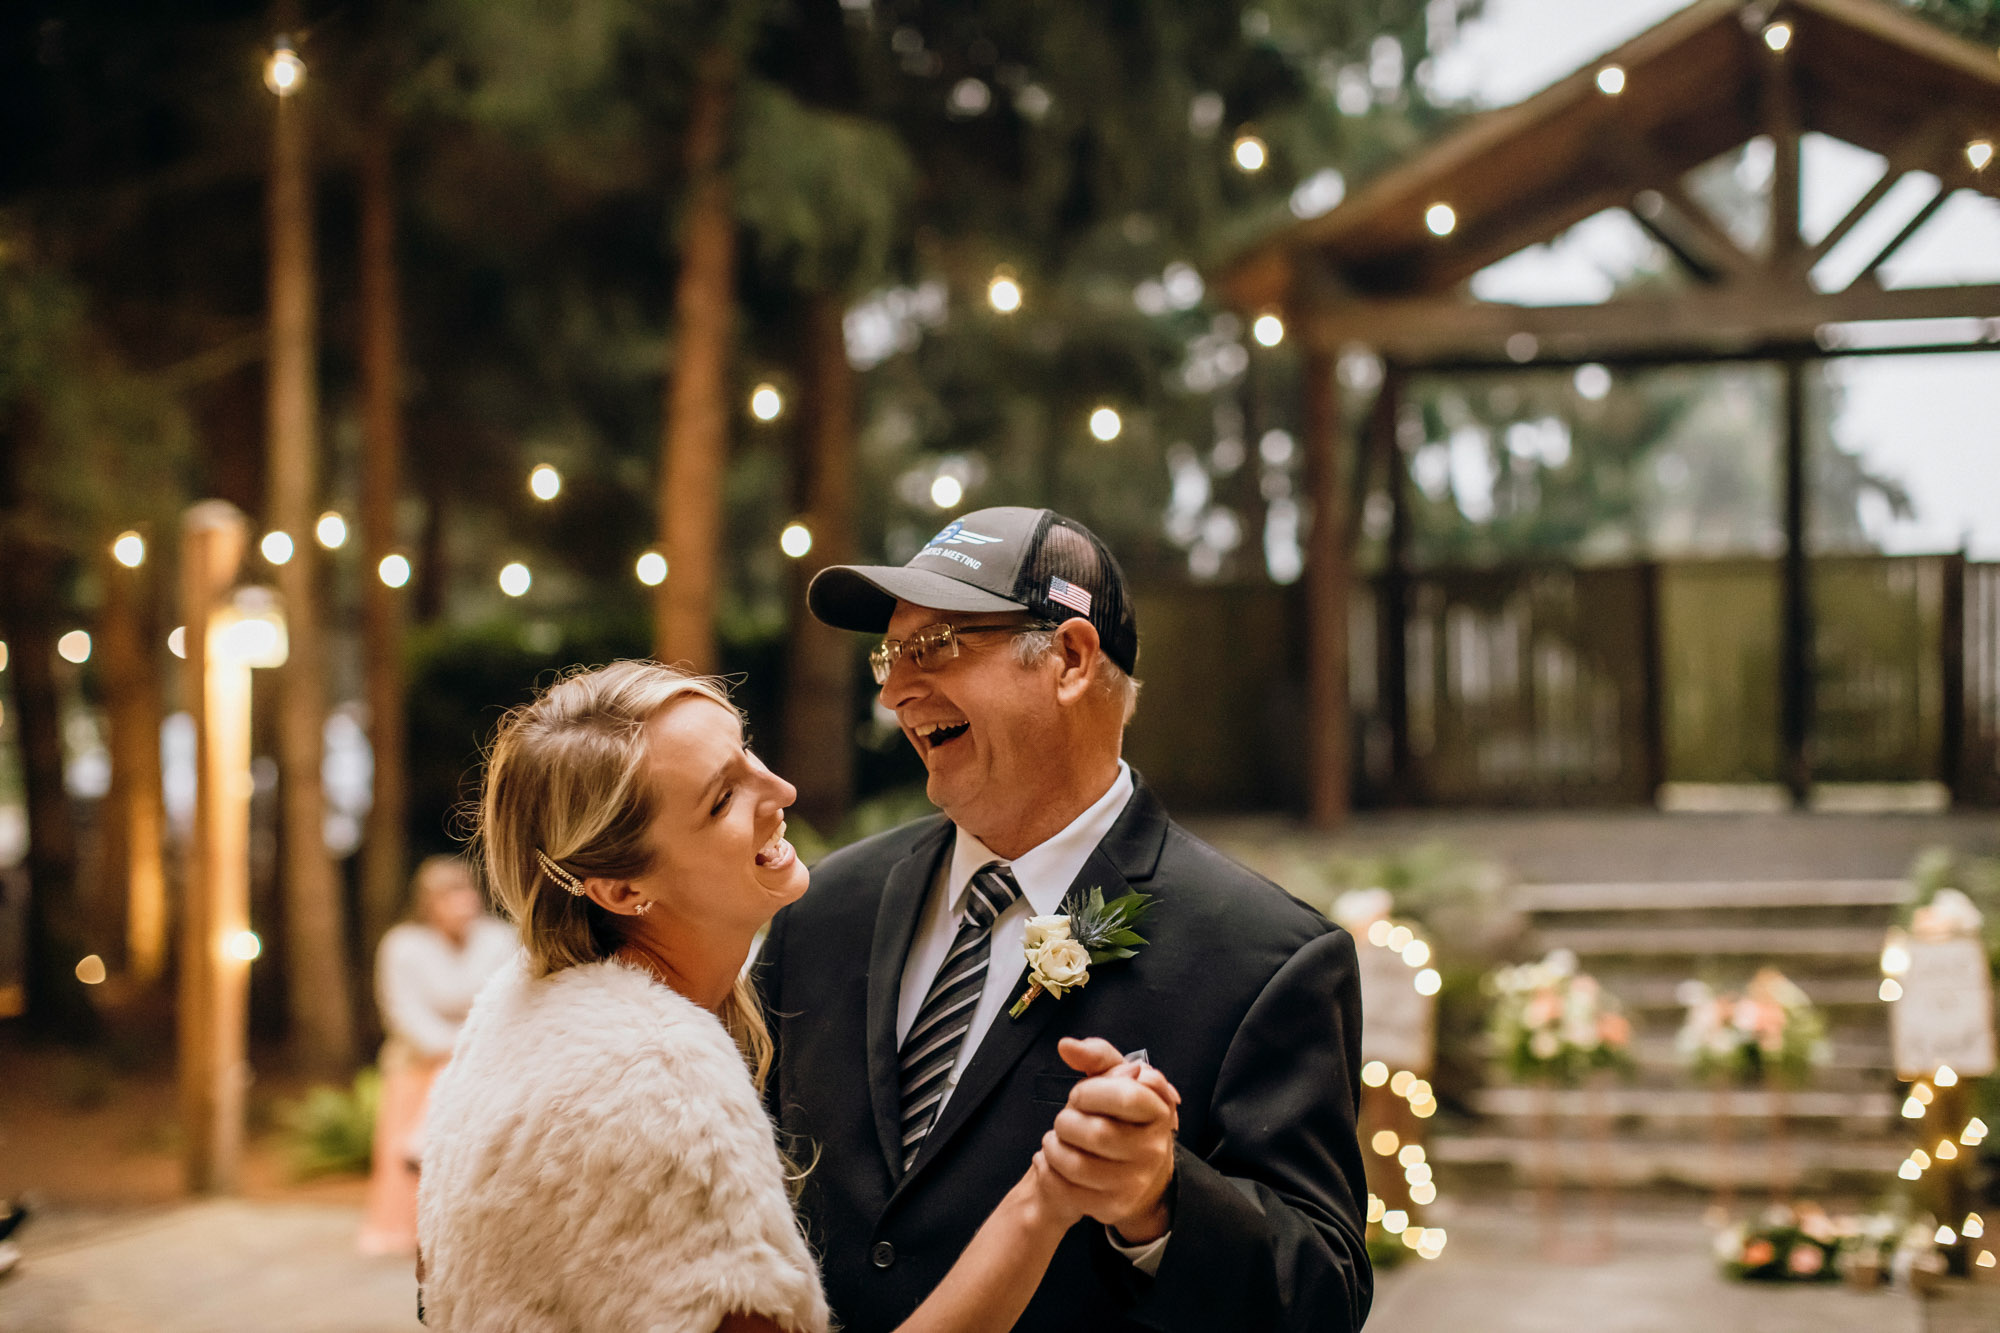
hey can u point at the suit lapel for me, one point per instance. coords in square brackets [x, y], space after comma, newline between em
[895, 926]
[1128, 853]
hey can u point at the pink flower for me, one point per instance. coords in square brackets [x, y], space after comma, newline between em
[1806, 1260]
[1758, 1253]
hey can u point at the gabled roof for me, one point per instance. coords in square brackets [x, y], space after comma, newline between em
[1700, 83]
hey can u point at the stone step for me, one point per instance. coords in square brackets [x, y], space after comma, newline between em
[1659, 992]
[1763, 942]
[1703, 1164]
[1715, 895]
[1685, 1103]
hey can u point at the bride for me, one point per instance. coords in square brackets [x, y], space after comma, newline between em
[598, 1155]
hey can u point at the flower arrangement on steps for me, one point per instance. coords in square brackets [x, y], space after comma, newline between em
[1770, 1032]
[1555, 1025]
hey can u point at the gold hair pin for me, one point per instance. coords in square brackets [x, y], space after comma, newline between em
[558, 874]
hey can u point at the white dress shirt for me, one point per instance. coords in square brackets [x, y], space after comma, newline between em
[425, 984]
[1044, 873]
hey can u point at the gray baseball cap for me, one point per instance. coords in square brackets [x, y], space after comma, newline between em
[1003, 559]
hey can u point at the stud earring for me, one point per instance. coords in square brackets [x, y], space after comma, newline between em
[645, 906]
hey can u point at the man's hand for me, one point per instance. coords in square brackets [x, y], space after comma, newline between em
[1114, 1142]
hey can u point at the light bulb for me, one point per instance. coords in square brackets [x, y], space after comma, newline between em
[544, 483]
[652, 569]
[1105, 424]
[515, 580]
[947, 491]
[766, 402]
[1003, 294]
[330, 531]
[394, 571]
[1611, 80]
[795, 540]
[1250, 153]
[1778, 36]
[74, 647]
[244, 945]
[1441, 219]
[129, 550]
[284, 72]
[1268, 330]
[277, 547]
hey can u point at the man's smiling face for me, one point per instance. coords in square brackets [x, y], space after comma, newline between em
[986, 726]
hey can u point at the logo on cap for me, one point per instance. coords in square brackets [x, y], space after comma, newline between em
[957, 534]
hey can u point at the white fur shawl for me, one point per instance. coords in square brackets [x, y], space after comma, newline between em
[597, 1159]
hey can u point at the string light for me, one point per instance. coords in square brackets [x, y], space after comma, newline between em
[1105, 423]
[1946, 1076]
[1416, 953]
[1250, 153]
[1946, 1236]
[1947, 1151]
[1374, 1073]
[1777, 36]
[284, 72]
[244, 945]
[3, 654]
[1411, 1155]
[1891, 990]
[1376, 1209]
[1385, 1142]
[177, 641]
[1974, 1228]
[1400, 937]
[795, 540]
[90, 970]
[766, 402]
[947, 491]
[1429, 981]
[1912, 1109]
[1611, 80]
[1003, 293]
[515, 580]
[331, 530]
[651, 569]
[1895, 959]
[1441, 219]
[129, 550]
[1268, 330]
[1975, 1133]
[1378, 932]
[545, 483]
[1922, 1092]
[1395, 1221]
[277, 547]
[1909, 1170]
[1979, 153]
[74, 647]
[394, 570]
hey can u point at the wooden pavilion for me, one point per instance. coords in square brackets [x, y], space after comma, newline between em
[1389, 270]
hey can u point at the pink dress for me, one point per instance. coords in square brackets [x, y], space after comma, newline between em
[425, 986]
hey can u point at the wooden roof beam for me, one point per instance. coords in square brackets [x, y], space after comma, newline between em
[1718, 320]
[1910, 228]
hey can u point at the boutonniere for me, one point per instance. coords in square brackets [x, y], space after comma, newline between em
[1062, 949]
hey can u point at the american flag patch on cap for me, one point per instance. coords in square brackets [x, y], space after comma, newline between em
[1071, 596]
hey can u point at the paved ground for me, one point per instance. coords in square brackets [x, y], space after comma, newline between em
[239, 1267]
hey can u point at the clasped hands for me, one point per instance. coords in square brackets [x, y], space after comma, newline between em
[1110, 1154]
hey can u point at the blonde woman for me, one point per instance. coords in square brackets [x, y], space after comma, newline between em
[597, 1155]
[428, 969]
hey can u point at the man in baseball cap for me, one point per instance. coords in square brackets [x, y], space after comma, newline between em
[1005, 648]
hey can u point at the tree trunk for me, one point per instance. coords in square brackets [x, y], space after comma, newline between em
[819, 717]
[696, 428]
[322, 1027]
[384, 852]
[135, 812]
[1329, 582]
[29, 613]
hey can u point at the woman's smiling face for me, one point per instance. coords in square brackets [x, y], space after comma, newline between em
[720, 859]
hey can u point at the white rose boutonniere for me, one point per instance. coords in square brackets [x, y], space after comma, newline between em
[1062, 949]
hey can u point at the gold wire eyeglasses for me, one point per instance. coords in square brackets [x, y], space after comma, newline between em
[934, 645]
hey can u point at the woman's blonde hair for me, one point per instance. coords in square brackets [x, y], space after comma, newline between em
[567, 778]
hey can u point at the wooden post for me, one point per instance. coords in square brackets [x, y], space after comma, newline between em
[1951, 669]
[1329, 578]
[696, 426]
[819, 692]
[1653, 686]
[322, 1024]
[214, 987]
[1795, 673]
[384, 851]
[135, 810]
[1393, 634]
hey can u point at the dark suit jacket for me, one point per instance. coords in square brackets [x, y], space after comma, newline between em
[1245, 998]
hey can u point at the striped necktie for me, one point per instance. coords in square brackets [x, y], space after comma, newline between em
[931, 1050]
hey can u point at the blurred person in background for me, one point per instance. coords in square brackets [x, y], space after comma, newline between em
[427, 972]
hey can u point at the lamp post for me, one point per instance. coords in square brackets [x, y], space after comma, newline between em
[230, 635]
